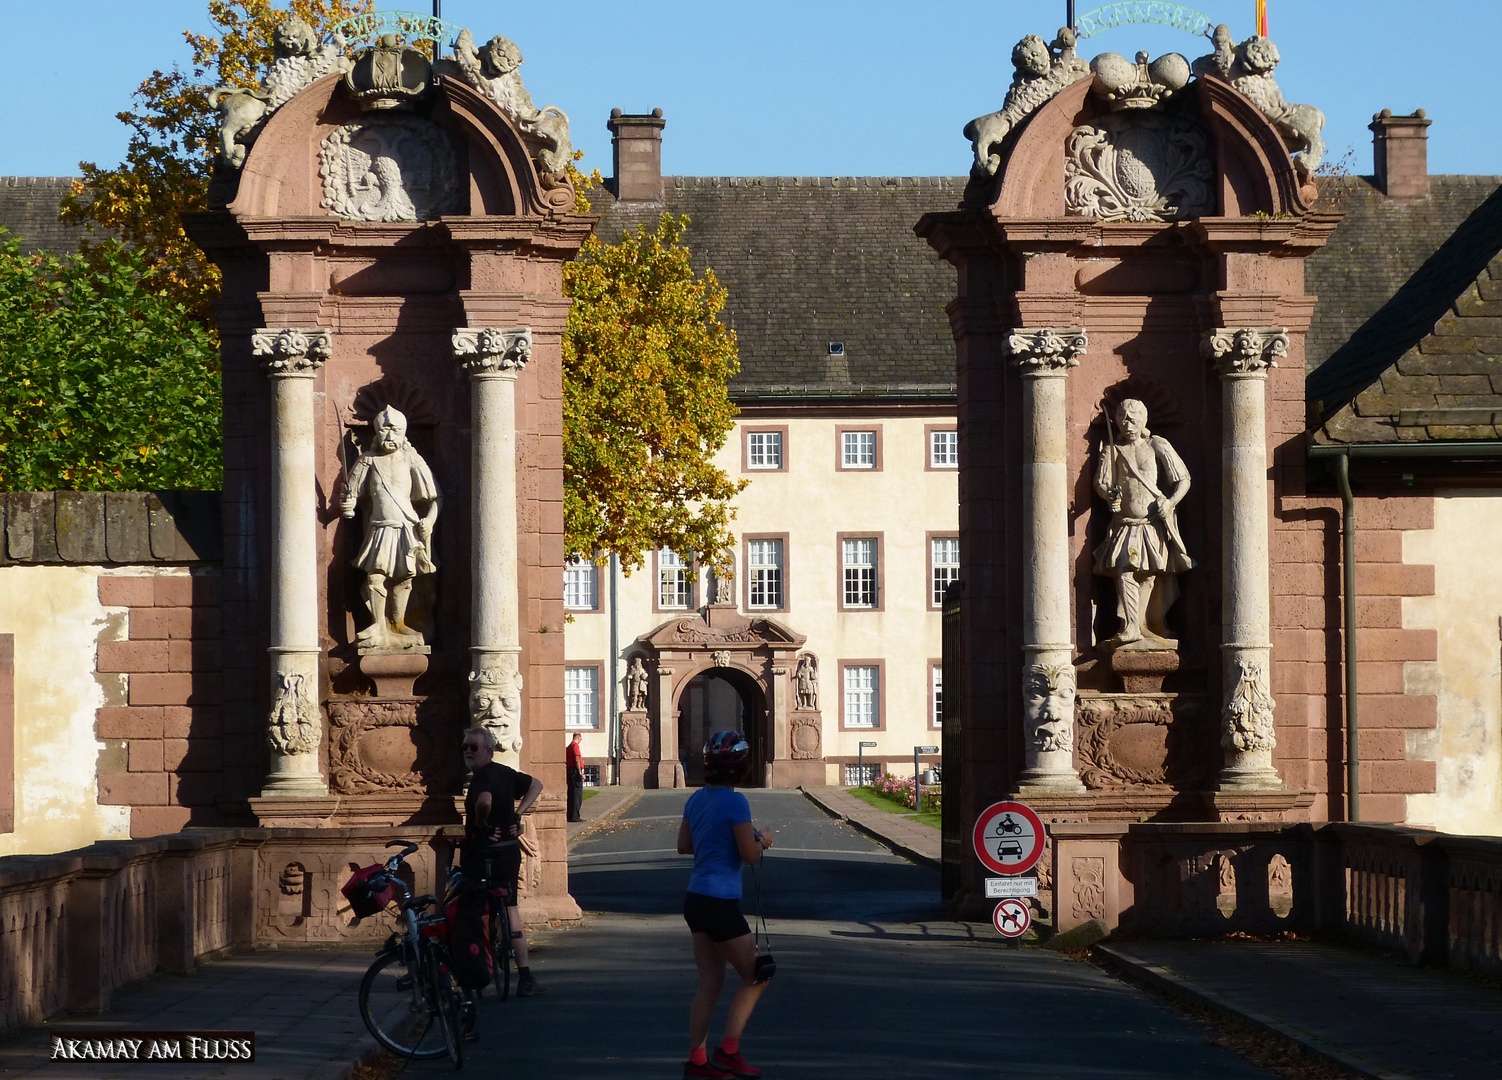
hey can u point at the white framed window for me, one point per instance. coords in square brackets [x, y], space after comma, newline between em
[591, 776]
[581, 586]
[858, 560]
[675, 581]
[764, 564]
[858, 449]
[764, 450]
[943, 449]
[861, 708]
[581, 697]
[944, 565]
[936, 685]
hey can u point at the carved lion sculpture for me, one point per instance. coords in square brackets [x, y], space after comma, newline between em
[1249, 67]
[1041, 72]
[297, 61]
[493, 71]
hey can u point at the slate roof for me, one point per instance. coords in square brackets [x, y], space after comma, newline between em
[814, 260]
[1410, 316]
[28, 208]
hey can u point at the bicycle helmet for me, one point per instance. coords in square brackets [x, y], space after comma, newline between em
[726, 756]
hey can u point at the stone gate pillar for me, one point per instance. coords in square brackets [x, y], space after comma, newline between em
[291, 358]
[1243, 357]
[1043, 359]
[494, 358]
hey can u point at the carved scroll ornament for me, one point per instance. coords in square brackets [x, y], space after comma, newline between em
[1138, 167]
[493, 349]
[391, 168]
[295, 726]
[1248, 713]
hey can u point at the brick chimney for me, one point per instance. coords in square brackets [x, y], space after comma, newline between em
[637, 143]
[1400, 154]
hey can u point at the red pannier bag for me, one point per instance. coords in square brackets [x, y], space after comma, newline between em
[469, 935]
[367, 899]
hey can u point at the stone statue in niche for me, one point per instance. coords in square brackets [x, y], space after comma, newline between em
[1249, 68]
[723, 573]
[297, 62]
[636, 686]
[1143, 480]
[807, 680]
[1048, 704]
[1041, 72]
[492, 70]
[401, 503]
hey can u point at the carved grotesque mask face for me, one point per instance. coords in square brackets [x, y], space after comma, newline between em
[1048, 694]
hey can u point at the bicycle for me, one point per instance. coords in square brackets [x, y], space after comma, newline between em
[408, 997]
[498, 900]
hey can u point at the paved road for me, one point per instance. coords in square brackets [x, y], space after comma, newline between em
[873, 979]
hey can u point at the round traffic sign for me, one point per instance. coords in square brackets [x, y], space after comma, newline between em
[1012, 917]
[1008, 838]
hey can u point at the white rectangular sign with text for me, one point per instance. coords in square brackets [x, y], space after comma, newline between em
[998, 888]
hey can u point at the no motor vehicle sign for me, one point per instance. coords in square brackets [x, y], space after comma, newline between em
[1008, 838]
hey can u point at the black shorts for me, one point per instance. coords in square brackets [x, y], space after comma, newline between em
[495, 866]
[719, 918]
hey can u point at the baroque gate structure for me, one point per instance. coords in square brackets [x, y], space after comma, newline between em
[392, 240]
[1129, 329]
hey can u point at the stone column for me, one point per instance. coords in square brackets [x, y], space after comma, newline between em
[1242, 357]
[494, 358]
[291, 357]
[1043, 358]
[667, 769]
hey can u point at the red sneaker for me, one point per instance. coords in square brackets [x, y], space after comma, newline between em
[735, 1065]
[708, 1069]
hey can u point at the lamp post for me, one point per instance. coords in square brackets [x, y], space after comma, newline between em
[860, 761]
[917, 777]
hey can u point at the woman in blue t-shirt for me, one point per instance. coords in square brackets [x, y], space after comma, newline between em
[718, 833]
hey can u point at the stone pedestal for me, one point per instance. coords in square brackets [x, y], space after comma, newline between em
[1142, 671]
[394, 670]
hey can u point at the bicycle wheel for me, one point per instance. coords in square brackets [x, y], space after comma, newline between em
[500, 949]
[395, 1005]
[446, 996]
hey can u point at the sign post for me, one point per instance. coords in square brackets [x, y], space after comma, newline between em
[917, 777]
[1008, 839]
[860, 761]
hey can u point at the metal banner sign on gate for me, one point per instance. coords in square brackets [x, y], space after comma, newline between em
[1008, 838]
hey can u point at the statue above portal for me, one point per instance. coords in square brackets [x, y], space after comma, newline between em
[401, 505]
[1042, 71]
[492, 70]
[1144, 480]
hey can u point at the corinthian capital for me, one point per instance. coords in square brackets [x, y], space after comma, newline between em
[1245, 350]
[493, 349]
[1048, 350]
[291, 351]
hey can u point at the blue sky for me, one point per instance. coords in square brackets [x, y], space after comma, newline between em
[777, 87]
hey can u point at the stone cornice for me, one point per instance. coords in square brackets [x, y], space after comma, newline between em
[291, 352]
[1245, 350]
[1047, 350]
[493, 350]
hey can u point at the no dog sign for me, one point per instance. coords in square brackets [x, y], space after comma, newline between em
[1008, 838]
[1011, 918]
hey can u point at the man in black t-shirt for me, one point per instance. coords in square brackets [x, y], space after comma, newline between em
[492, 824]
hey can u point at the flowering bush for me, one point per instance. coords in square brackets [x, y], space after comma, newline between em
[900, 790]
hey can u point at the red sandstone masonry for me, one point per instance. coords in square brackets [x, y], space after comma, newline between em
[132, 656]
[121, 722]
[1397, 644]
[155, 820]
[1400, 777]
[1395, 579]
[1416, 712]
[133, 789]
[125, 591]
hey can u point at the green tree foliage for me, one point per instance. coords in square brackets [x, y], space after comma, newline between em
[645, 366]
[106, 382]
[169, 158]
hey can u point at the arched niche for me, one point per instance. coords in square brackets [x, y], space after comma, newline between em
[281, 177]
[1254, 173]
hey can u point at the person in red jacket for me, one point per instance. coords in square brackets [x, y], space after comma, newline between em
[574, 760]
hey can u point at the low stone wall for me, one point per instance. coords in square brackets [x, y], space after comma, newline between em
[77, 926]
[1433, 897]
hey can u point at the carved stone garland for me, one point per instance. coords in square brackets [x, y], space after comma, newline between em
[1138, 167]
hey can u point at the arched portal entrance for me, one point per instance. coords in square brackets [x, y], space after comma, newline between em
[721, 699]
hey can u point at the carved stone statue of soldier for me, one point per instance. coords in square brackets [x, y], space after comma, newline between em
[1143, 479]
[401, 504]
[636, 686]
[807, 681]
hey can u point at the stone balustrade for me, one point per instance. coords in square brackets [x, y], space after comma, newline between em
[77, 926]
[1433, 897]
